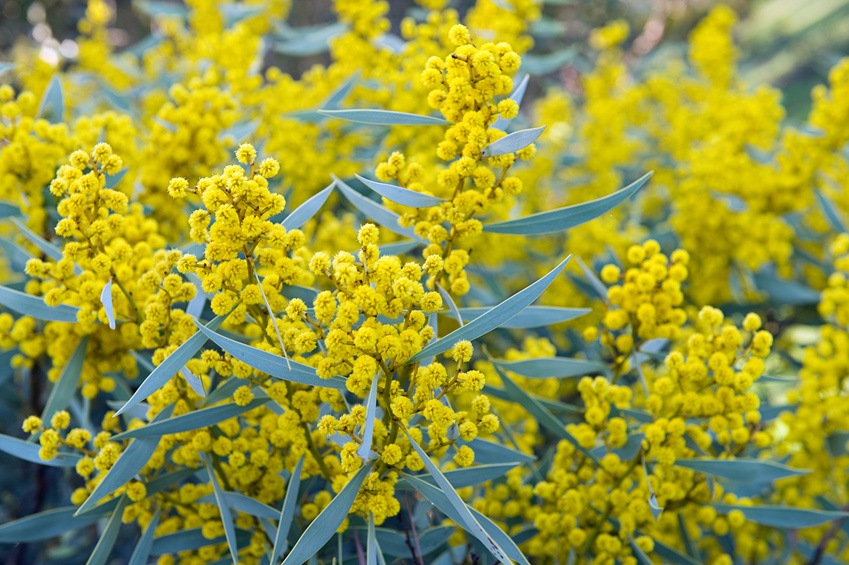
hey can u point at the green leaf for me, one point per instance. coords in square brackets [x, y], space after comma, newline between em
[384, 117]
[8, 209]
[170, 366]
[192, 421]
[487, 452]
[564, 218]
[104, 546]
[271, 364]
[240, 132]
[193, 381]
[113, 180]
[493, 318]
[516, 96]
[743, 470]
[129, 463]
[551, 367]
[441, 500]
[467, 520]
[63, 390]
[639, 553]
[226, 517]
[784, 291]
[783, 516]
[309, 41]
[468, 476]
[512, 142]
[142, 551]
[594, 281]
[52, 106]
[374, 556]
[15, 254]
[541, 414]
[554, 405]
[43, 245]
[190, 540]
[453, 311]
[340, 92]
[155, 8]
[401, 195]
[364, 451]
[287, 512]
[375, 211]
[34, 306]
[242, 503]
[43, 525]
[325, 525]
[830, 211]
[235, 12]
[530, 317]
[29, 452]
[307, 210]
[106, 300]
[398, 248]
[6, 67]
[549, 62]
[672, 555]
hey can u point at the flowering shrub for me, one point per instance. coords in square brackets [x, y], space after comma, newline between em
[254, 318]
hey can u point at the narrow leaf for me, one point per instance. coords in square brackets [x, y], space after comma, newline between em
[113, 180]
[400, 195]
[671, 555]
[441, 500]
[364, 451]
[743, 470]
[34, 306]
[52, 106]
[104, 546]
[142, 551]
[193, 381]
[468, 476]
[530, 317]
[340, 92]
[487, 452]
[512, 142]
[287, 512]
[193, 420]
[63, 390]
[565, 218]
[375, 211]
[784, 291]
[226, 517]
[830, 211]
[551, 367]
[783, 516]
[470, 524]
[325, 525]
[452, 307]
[43, 525]
[29, 452]
[307, 210]
[594, 281]
[170, 366]
[384, 117]
[106, 300]
[516, 96]
[271, 364]
[372, 549]
[541, 414]
[129, 463]
[191, 540]
[493, 318]
[8, 209]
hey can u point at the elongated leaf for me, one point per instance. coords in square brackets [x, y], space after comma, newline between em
[170, 366]
[9, 209]
[512, 142]
[34, 306]
[784, 291]
[141, 553]
[63, 390]
[106, 300]
[29, 452]
[516, 96]
[671, 555]
[468, 476]
[568, 217]
[6, 67]
[193, 420]
[554, 405]
[241, 131]
[193, 381]
[398, 248]
[307, 210]
[541, 414]
[287, 512]
[454, 312]
[340, 92]
[43, 525]
[271, 364]
[43, 245]
[487, 452]
[530, 317]
[830, 211]
[783, 516]
[52, 106]
[594, 281]
[551, 367]
[242, 503]
[401, 195]
[372, 548]
[744, 470]
[364, 451]
[154, 8]
[16, 255]
[641, 556]
[130, 462]
[325, 525]
[467, 520]
[113, 180]
[190, 540]
[493, 318]
[226, 517]
[384, 117]
[104, 546]
[441, 500]
[375, 211]
[303, 42]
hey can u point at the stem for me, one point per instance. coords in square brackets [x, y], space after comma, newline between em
[321, 464]
[832, 531]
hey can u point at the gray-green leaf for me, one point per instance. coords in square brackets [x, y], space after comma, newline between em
[512, 142]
